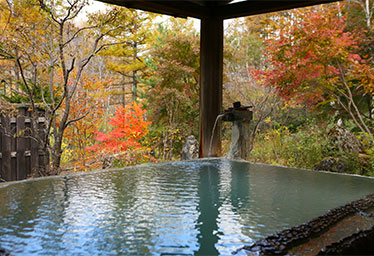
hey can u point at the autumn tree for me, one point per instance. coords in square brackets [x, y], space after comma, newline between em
[125, 138]
[126, 60]
[48, 51]
[314, 61]
[90, 98]
[173, 90]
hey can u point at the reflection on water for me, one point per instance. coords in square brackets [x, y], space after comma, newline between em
[203, 208]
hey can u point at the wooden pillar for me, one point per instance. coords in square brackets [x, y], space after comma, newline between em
[211, 69]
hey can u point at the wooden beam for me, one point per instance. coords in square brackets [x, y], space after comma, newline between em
[247, 8]
[180, 9]
[211, 70]
[214, 8]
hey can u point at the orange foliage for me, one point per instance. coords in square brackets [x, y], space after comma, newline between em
[87, 103]
[313, 54]
[125, 139]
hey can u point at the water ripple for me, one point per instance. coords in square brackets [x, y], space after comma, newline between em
[185, 208]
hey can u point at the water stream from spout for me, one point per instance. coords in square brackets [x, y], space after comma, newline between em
[214, 129]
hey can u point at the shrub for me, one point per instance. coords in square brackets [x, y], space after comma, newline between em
[302, 148]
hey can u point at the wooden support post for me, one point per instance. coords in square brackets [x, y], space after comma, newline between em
[211, 70]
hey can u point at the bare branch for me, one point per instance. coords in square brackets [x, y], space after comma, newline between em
[76, 33]
[44, 7]
[43, 98]
[25, 82]
[18, 92]
[5, 56]
[72, 5]
[60, 102]
[95, 48]
[71, 66]
[355, 113]
[76, 13]
[67, 14]
[77, 119]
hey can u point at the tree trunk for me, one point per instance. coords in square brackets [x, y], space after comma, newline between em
[56, 155]
[134, 81]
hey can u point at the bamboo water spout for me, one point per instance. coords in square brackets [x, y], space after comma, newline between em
[240, 116]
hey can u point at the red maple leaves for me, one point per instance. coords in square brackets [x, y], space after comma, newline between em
[311, 55]
[128, 130]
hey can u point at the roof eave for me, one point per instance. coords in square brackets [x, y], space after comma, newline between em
[196, 9]
[248, 8]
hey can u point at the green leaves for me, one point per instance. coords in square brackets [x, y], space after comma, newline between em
[172, 94]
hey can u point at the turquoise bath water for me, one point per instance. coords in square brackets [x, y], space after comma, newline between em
[210, 207]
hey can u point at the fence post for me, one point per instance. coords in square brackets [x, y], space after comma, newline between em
[5, 150]
[28, 143]
[13, 147]
[21, 146]
[43, 161]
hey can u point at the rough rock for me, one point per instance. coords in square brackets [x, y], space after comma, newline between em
[190, 149]
[360, 243]
[280, 243]
[331, 164]
[344, 140]
[4, 252]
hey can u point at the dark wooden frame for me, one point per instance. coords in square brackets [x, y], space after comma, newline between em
[212, 8]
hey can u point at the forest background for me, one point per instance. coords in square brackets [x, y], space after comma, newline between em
[122, 88]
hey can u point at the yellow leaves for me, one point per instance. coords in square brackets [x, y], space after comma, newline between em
[80, 169]
[125, 68]
[27, 22]
[267, 120]
[88, 100]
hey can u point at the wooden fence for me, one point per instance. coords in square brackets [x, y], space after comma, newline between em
[21, 155]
